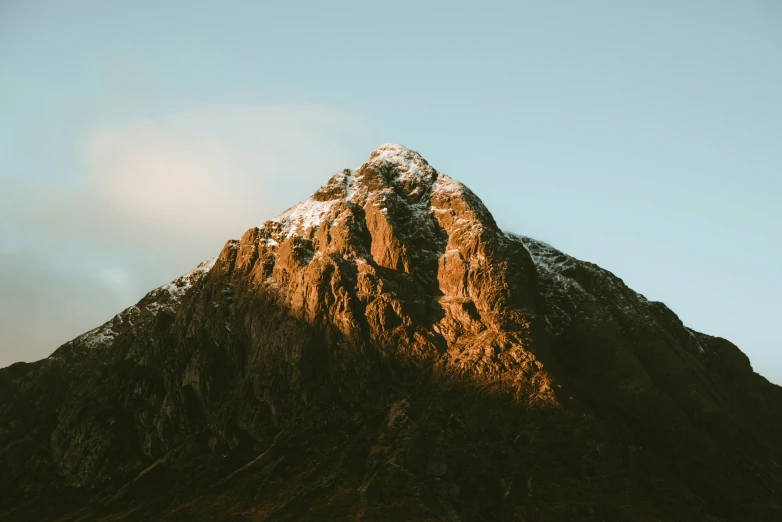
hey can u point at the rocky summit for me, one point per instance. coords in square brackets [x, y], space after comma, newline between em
[383, 351]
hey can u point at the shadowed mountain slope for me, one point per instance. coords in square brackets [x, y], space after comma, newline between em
[383, 351]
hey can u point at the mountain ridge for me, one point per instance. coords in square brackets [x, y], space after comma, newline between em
[382, 350]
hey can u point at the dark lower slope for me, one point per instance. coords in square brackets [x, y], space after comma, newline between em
[384, 352]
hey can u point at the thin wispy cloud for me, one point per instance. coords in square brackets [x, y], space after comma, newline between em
[155, 197]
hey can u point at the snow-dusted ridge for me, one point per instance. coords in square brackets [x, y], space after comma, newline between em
[560, 269]
[307, 214]
[166, 297]
[407, 161]
[179, 286]
[410, 166]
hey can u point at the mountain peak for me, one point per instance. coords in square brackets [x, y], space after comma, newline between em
[383, 351]
[407, 164]
[395, 180]
[401, 157]
[394, 149]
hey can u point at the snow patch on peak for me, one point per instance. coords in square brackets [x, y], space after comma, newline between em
[394, 148]
[104, 335]
[179, 286]
[166, 297]
[307, 214]
[408, 161]
[206, 266]
[349, 177]
[311, 212]
[544, 255]
[445, 183]
[97, 338]
[413, 174]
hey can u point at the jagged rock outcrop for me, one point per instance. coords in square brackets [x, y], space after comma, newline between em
[383, 351]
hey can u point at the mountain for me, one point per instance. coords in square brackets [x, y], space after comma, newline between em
[383, 351]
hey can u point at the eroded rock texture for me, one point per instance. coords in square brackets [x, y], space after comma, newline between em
[383, 351]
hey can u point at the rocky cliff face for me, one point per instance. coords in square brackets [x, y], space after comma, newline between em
[383, 351]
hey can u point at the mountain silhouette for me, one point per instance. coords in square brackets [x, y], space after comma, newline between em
[383, 351]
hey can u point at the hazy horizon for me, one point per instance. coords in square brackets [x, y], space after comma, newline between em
[137, 139]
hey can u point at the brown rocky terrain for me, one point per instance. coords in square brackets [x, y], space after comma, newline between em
[383, 351]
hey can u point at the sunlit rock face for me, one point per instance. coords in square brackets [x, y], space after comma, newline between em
[383, 351]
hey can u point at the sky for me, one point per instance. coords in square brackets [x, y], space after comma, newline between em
[137, 137]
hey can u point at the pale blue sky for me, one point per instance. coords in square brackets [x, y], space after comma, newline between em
[644, 136]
